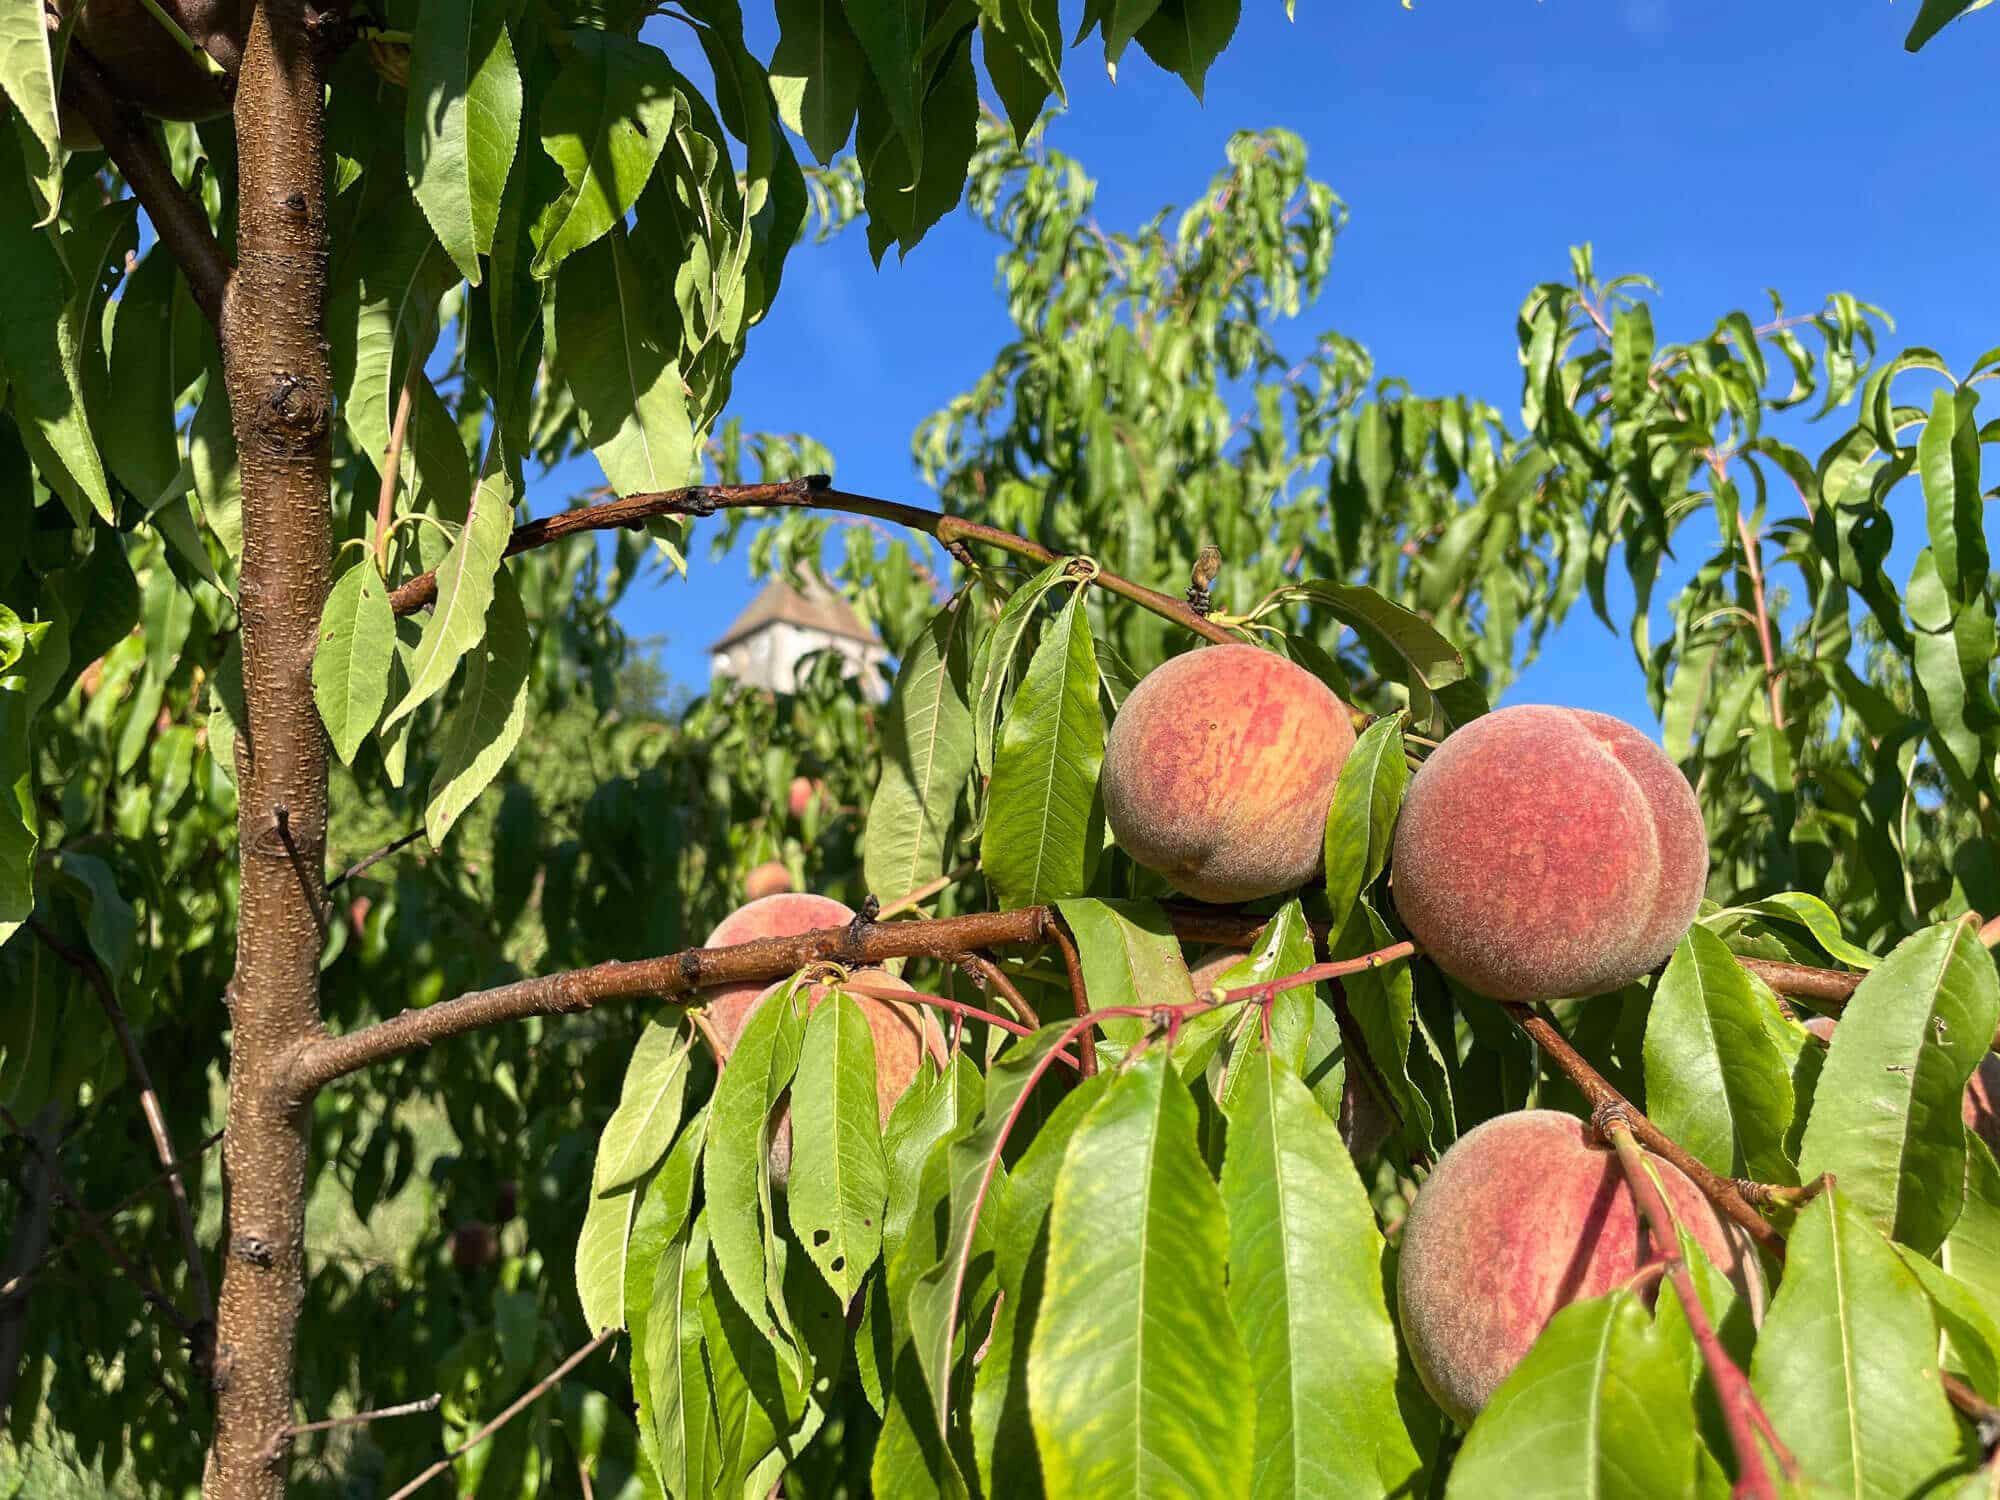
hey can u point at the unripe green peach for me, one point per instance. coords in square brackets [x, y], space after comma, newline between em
[1219, 771]
[1549, 852]
[1524, 1215]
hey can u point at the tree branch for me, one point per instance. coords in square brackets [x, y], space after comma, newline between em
[526, 1399]
[87, 965]
[178, 216]
[1741, 1412]
[813, 492]
[281, 1439]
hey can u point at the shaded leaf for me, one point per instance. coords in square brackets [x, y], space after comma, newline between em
[605, 121]
[926, 757]
[649, 1109]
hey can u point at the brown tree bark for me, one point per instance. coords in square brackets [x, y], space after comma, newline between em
[280, 395]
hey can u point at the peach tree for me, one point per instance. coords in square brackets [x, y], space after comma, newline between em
[1448, 1139]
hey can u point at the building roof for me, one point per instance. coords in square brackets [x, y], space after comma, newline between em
[816, 607]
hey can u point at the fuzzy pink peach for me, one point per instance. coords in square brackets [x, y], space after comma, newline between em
[1524, 1215]
[784, 915]
[1219, 770]
[1549, 852]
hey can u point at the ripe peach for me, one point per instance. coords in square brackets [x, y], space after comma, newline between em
[1362, 1122]
[902, 1032]
[1522, 1216]
[784, 915]
[1982, 1094]
[474, 1246]
[1219, 771]
[802, 794]
[1547, 852]
[771, 878]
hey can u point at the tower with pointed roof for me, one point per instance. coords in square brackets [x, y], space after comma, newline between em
[767, 643]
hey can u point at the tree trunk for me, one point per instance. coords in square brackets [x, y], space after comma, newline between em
[280, 395]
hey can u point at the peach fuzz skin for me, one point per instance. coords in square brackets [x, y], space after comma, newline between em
[1219, 771]
[1524, 1215]
[1548, 852]
[786, 914]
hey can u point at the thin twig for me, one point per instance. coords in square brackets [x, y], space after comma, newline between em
[99, 981]
[1598, 1093]
[67, 1197]
[812, 492]
[56, 1252]
[521, 1403]
[177, 216]
[392, 465]
[1078, 991]
[1753, 552]
[284, 1435]
[924, 892]
[1741, 1411]
[989, 975]
[315, 901]
[402, 842]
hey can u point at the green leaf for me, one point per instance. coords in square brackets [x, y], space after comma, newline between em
[1632, 357]
[891, 34]
[974, 1162]
[995, 660]
[109, 920]
[1971, 1252]
[1948, 461]
[1186, 36]
[677, 1399]
[840, 1178]
[1042, 802]
[926, 757]
[1886, 1112]
[485, 724]
[1815, 916]
[605, 121]
[1222, 1040]
[1715, 1081]
[350, 671]
[817, 73]
[908, 189]
[600, 1255]
[1934, 16]
[40, 652]
[736, 1171]
[157, 344]
[1305, 1287]
[1404, 646]
[42, 356]
[218, 484]
[1129, 956]
[1134, 1318]
[1846, 1362]
[462, 122]
[640, 1129]
[28, 73]
[616, 352]
[1361, 824]
[465, 592]
[1383, 1003]
[1601, 1405]
[1965, 1318]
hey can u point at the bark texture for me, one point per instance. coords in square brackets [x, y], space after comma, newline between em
[280, 394]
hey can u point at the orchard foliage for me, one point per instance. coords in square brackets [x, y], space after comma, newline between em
[1143, 1253]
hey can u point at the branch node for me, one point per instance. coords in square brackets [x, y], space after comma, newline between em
[255, 1250]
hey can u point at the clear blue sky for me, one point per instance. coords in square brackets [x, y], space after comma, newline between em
[1719, 147]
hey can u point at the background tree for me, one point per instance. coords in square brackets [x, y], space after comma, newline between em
[489, 309]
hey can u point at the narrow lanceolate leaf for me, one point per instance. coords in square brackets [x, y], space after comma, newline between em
[1948, 460]
[996, 658]
[817, 72]
[1971, 1252]
[485, 724]
[605, 121]
[926, 756]
[1305, 1286]
[357, 641]
[1284, 947]
[464, 592]
[600, 1255]
[1186, 36]
[1600, 1406]
[1715, 1081]
[1846, 1363]
[1818, 919]
[1129, 956]
[615, 348]
[462, 122]
[676, 1399]
[27, 72]
[934, 1300]
[840, 1178]
[1969, 1324]
[1362, 821]
[1134, 1313]
[42, 355]
[1886, 1112]
[736, 1169]
[649, 1109]
[1404, 646]
[1041, 805]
